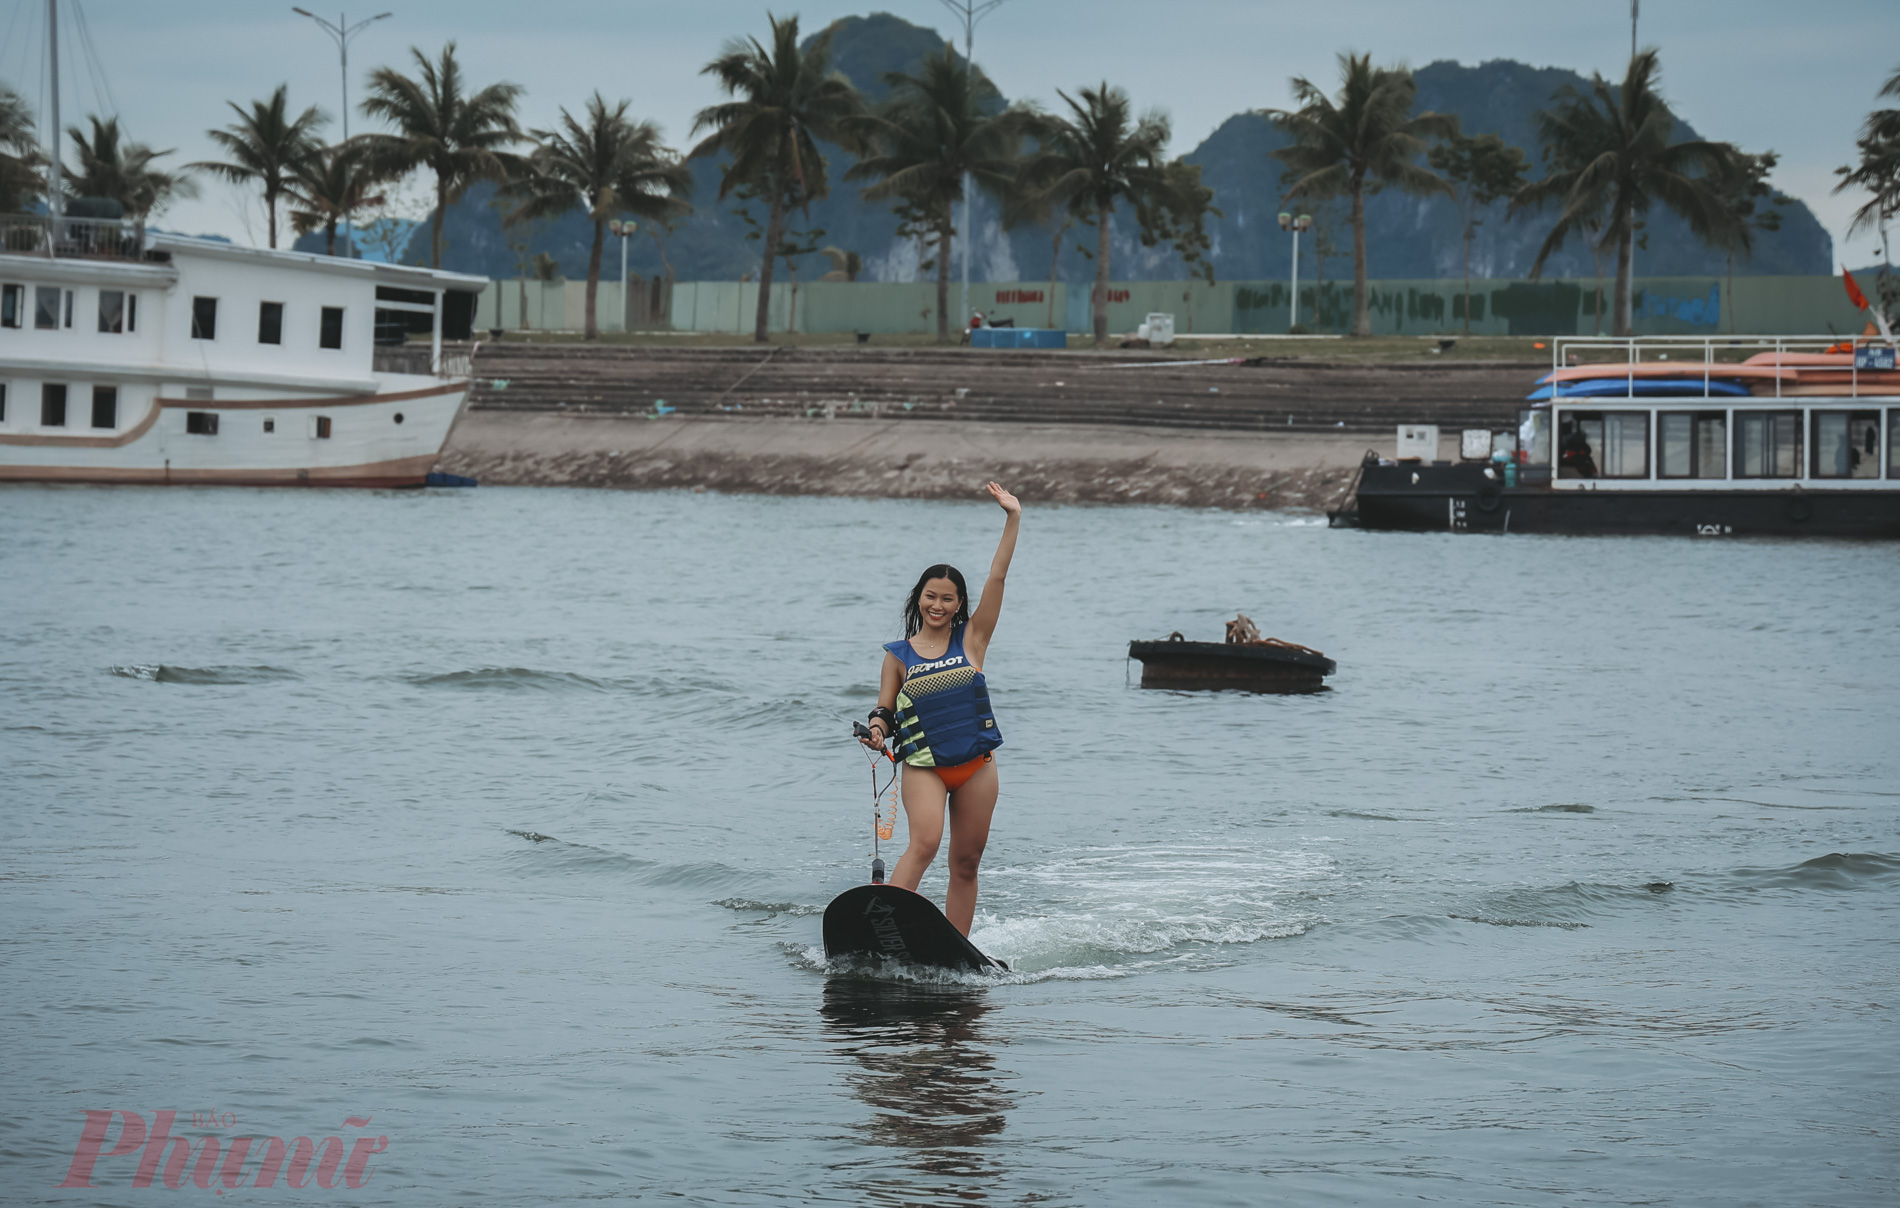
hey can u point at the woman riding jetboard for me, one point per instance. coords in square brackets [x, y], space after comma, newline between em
[933, 699]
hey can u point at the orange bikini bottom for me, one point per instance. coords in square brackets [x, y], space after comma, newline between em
[954, 778]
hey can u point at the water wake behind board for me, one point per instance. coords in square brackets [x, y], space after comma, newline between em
[883, 920]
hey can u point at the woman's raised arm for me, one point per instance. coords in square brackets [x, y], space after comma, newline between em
[989, 606]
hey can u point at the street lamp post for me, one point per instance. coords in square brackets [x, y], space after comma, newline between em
[624, 229]
[1289, 223]
[971, 11]
[341, 32]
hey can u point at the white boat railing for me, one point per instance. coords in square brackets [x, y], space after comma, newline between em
[1570, 352]
[71, 238]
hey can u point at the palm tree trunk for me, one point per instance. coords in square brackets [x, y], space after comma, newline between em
[1055, 257]
[329, 237]
[270, 209]
[1728, 299]
[1625, 252]
[1467, 278]
[435, 226]
[774, 233]
[522, 298]
[1361, 313]
[592, 331]
[943, 279]
[1099, 303]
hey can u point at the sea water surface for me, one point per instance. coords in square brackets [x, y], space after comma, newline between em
[503, 819]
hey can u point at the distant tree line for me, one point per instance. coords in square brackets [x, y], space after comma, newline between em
[1608, 156]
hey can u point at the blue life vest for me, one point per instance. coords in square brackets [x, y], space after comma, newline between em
[943, 708]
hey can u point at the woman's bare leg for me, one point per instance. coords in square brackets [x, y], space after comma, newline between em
[970, 810]
[923, 826]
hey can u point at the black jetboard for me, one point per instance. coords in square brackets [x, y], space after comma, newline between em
[883, 920]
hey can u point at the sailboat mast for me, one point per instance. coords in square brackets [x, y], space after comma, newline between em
[55, 202]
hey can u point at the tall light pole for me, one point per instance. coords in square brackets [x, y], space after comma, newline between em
[55, 204]
[971, 11]
[341, 32]
[1289, 223]
[624, 229]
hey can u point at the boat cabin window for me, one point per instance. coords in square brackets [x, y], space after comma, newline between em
[105, 406]
[1692, 444]
[52, 404]
[12, 305]
[332, 334]
[1533, 437]
[201, 423]
[1603, 444]
[3, 402]
[1768, 444]
[112, 311]
[320, 427]
[270, 322]
[204, 318]
[46, 307]
[1893, 443]
[1846, 444]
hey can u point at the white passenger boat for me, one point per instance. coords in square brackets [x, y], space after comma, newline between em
[163, 359]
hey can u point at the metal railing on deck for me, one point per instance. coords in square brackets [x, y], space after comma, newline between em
[1690, 353]
[71, 238]
[415, 358]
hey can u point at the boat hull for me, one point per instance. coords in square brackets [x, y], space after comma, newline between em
[1201, 666]
[1461, 499]
[388, 439]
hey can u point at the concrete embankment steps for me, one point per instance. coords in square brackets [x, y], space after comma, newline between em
[1005, 386]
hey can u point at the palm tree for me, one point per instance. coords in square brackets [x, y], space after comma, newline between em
[1366, 139]
[267, 146]
[605, 164]
[1611, 159]
[1879, 169]
[1087, 162]
[20, 157]
[939, 125]
[785, 101]
[460, 137]
[331, 186]
[118, 169]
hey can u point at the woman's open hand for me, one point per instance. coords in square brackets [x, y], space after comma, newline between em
[1008, 502]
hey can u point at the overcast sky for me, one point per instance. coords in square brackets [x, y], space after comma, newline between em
[1795, 77]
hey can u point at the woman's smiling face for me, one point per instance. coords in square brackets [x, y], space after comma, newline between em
[938, 602]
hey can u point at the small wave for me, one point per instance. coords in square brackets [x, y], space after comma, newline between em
[510, 679]
[812, 959]
[1562, 906]
[1358, 814]
[1836, 870]
[1563, 808]
[795, 909]
[1111, 938]
[165, 673]
[552, 856]
[1478, 918]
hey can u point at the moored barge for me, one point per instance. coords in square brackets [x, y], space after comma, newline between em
[1681, 435]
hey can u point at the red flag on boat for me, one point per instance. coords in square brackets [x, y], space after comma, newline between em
[1853, 291]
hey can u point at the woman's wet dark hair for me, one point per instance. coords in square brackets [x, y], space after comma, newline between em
[914, 616]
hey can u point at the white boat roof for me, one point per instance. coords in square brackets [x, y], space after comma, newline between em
[401, 276]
